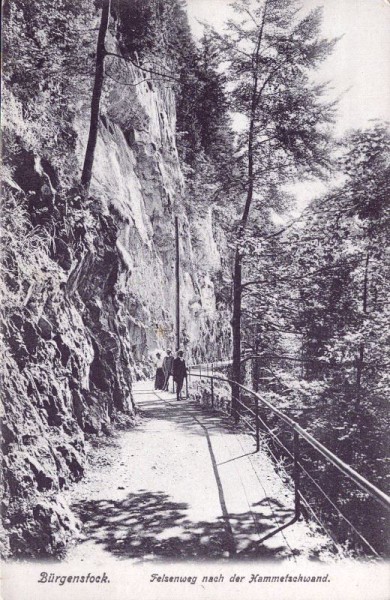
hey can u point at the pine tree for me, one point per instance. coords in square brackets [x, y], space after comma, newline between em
[270, 53]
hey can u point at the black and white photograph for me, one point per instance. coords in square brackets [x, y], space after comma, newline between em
[195, 315]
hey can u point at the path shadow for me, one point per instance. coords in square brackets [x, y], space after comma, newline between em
[150, 526]
[186, 415]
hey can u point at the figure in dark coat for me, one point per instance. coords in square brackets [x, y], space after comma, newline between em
[179, 373]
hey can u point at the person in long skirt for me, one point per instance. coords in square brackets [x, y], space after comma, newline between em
[167, 368]
[159, 381]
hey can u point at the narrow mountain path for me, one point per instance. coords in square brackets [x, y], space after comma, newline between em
[184, 484]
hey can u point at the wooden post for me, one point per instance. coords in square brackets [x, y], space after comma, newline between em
[212, 391]
[177, 277]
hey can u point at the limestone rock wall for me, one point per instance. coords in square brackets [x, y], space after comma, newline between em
[138, 180]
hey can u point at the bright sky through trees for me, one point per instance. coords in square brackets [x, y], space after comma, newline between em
[360, 65]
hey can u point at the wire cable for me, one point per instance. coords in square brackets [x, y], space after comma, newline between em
[360, 535]
[275, 438]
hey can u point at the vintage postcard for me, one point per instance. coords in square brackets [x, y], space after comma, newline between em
[195, 299]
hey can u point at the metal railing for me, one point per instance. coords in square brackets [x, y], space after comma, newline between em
[205, 371]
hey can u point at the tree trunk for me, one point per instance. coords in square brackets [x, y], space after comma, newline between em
[95, 102]
[360, 360]
[237, 276]
[237, 284]
[255, 363]
[236, 330]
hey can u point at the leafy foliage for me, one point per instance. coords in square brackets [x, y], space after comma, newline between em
[157, 35]
[270, 53]
[315, 322]
[47, 57]
[316, 309]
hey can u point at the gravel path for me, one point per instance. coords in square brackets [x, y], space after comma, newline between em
[185, 485]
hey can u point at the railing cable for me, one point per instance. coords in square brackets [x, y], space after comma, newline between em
[306, 503]
[360, 535]
[360, 481]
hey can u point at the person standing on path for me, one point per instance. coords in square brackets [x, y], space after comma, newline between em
[179, 373]
[167, 368]
[160, 379]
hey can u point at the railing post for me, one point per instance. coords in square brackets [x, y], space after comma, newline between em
[212, 391]
[257, 425]
[297, 475]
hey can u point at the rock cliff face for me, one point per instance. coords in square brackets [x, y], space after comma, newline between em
[140, 184]
[89, 296]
